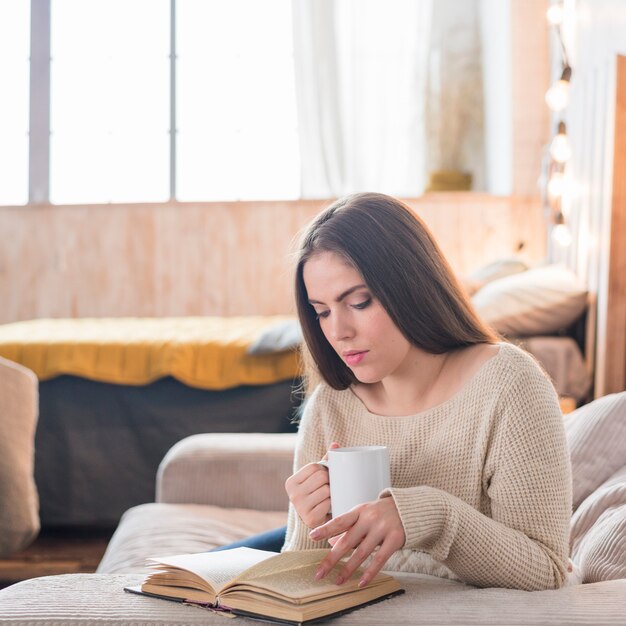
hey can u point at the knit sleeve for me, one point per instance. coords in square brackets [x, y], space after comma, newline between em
[527, 481]
[309, 448]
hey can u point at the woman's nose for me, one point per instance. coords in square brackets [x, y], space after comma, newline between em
[341, 328]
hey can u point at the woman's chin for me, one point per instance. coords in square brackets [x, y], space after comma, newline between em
[366, 378]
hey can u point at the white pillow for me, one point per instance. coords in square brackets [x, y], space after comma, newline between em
[498, 269]
[536, 302]
[598, 532]
[596, 435]
[277, 338]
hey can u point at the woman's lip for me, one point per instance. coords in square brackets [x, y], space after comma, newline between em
[354, 358]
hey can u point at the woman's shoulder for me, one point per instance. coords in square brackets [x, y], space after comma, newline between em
[324, 395]
[500, 365]
[517, 358]
[521, 375]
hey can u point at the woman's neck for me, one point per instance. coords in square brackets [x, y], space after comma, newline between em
[428, 380]
[412, 389]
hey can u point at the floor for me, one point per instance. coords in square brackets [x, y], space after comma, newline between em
[56, 552]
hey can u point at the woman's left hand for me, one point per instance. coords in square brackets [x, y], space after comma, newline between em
[362, 529]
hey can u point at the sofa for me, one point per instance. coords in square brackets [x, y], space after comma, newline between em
[212, 489]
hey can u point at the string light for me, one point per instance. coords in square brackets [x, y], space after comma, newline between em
[557, 97]
[561, 234]
[560, 149]
[556, 185]
[555, 14]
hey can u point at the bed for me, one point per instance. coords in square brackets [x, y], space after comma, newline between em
[116, 394]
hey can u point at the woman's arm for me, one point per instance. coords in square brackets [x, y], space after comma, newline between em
[310, 447]
[524, 543]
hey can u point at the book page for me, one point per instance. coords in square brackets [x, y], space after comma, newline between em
[296, 585]
[216, 568]
[283, 562]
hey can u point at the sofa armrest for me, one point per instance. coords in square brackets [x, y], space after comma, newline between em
[234, 470]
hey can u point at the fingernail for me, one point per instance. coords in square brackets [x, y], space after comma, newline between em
[319, 574]
[314, 534]
[362, 582]
[339, 580]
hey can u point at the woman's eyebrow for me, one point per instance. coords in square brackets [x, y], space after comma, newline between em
[342, 295]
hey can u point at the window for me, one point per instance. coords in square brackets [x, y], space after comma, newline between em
[114, 96]
[14, 78]
[236, 105]
[109, 113]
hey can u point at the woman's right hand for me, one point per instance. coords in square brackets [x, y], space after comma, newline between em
[309, 492]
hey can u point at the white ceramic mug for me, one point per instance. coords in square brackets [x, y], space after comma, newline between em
[356, 475]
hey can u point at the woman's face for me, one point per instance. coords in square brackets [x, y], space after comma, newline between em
[354, 322]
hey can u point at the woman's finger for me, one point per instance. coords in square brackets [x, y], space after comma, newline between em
[336, 526]
[333, 446]
[344, 544]
[314, 482]
[365, 548]
[387, 548]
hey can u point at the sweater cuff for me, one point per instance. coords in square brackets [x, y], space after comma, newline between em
[422, 513]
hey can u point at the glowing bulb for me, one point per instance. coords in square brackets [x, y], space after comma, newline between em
[561, 235]
[555, 14]
[557, 97]
[560, 148]
[556, 185]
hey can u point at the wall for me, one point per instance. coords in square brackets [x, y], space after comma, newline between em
[211, 258]
[595, 33]
[233, 258]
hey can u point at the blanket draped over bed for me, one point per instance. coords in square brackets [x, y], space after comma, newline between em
[203, 352]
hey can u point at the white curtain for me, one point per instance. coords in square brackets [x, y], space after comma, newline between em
[361, 77]
[455, 109]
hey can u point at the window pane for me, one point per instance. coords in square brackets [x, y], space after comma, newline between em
[14, 71]
[109, 101]
[236, 106]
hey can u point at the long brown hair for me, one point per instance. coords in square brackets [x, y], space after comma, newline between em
[403, 267]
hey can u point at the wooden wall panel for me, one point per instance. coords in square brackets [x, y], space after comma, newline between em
[595, 207]
[615, 357]
[212, 258]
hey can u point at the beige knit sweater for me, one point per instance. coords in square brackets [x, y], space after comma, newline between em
[481, 482]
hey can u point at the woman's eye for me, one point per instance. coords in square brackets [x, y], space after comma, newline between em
[322, 314]
[362, 305]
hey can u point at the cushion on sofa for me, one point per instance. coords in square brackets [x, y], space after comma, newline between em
[19, 504]
[159, 529]
[598, 532]
[536, 302]
[596, 434]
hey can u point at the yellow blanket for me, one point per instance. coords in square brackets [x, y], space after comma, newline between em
[204, 352]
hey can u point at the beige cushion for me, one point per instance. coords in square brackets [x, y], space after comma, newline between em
[233, 470]
[158, 529]
[596, 434]
[540, 301]
[98, 600]
[19, 503]
[598, 532]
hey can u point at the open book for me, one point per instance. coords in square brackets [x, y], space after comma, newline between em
[264, 585]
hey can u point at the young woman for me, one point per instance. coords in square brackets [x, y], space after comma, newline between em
[481, 486]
